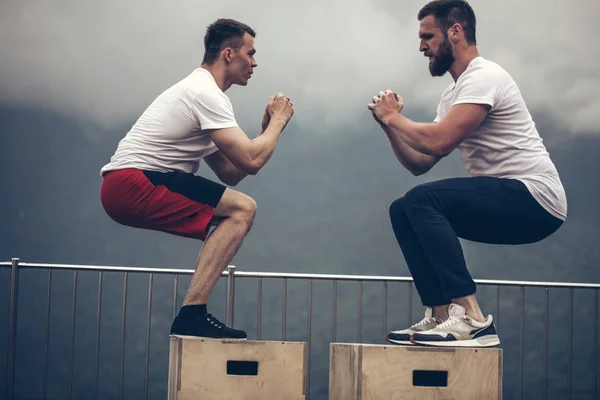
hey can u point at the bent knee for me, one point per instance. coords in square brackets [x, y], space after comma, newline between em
[417, 195]
[247, 205]
[396, 208]
[234, 203]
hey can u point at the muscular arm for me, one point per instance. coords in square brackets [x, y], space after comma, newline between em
[225, 170]
[416, 162]
[248, 155]
[438, 139]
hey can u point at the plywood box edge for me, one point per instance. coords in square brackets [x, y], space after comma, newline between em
[174, 383]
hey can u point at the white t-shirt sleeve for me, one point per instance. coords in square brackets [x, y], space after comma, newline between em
[438, 117]
[478, 87]
[441, 108]
[214, 111]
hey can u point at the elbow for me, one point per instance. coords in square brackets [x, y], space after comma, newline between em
[418, 171]
[440, 150]
[232, 182]
[423, 166]
[252, 168]
[229, 180]
[247, 167]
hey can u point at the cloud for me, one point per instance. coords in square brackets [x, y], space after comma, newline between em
[106, 61]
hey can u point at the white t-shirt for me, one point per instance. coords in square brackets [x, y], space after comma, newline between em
[507, 143]
[171, 133]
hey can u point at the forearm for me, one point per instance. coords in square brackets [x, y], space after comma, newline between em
[263, 146]
[421, 137]
[233, 175]
[413, 160]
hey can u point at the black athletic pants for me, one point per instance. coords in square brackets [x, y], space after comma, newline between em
[431, 217]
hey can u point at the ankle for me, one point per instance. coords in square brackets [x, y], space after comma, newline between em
[440, 312]
[192, 311]
[469, 303]
[475, 314]
[476, 317]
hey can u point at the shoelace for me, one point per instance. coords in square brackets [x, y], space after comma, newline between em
[213, 321]
[450, 321]
[424, 321]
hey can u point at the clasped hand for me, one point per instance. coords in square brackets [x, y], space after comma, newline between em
[385, 105]
[278, 106]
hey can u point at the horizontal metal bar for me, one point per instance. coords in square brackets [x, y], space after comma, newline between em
[97, 268]
[373, 278]
[326, 277]
[281, 275]
[538, 284]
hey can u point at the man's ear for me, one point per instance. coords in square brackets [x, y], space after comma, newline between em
[455, 31]
[227, 54]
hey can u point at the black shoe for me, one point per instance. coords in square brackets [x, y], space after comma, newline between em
[205, 326]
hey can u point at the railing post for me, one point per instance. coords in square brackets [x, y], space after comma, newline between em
[12, 330]
[230, 294]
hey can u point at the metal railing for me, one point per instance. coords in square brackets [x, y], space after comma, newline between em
[231, 274]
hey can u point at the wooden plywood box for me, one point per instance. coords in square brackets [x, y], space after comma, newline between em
[213, 369]
[381, 372]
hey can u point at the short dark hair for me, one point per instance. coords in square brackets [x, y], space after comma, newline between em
[221, 34]
[450, 12]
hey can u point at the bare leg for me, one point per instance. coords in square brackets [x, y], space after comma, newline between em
[471, 307]
[441, 311]
[236, 213]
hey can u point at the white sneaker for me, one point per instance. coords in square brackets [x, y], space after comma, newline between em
[459, 330]
[403, 337]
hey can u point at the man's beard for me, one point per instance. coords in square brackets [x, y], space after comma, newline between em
[443, 60]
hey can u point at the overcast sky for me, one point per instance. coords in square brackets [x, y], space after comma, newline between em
[104, 61]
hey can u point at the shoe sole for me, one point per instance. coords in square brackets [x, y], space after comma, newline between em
[485, 341]
[400, 342]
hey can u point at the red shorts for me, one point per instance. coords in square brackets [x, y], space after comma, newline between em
[178, 203]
